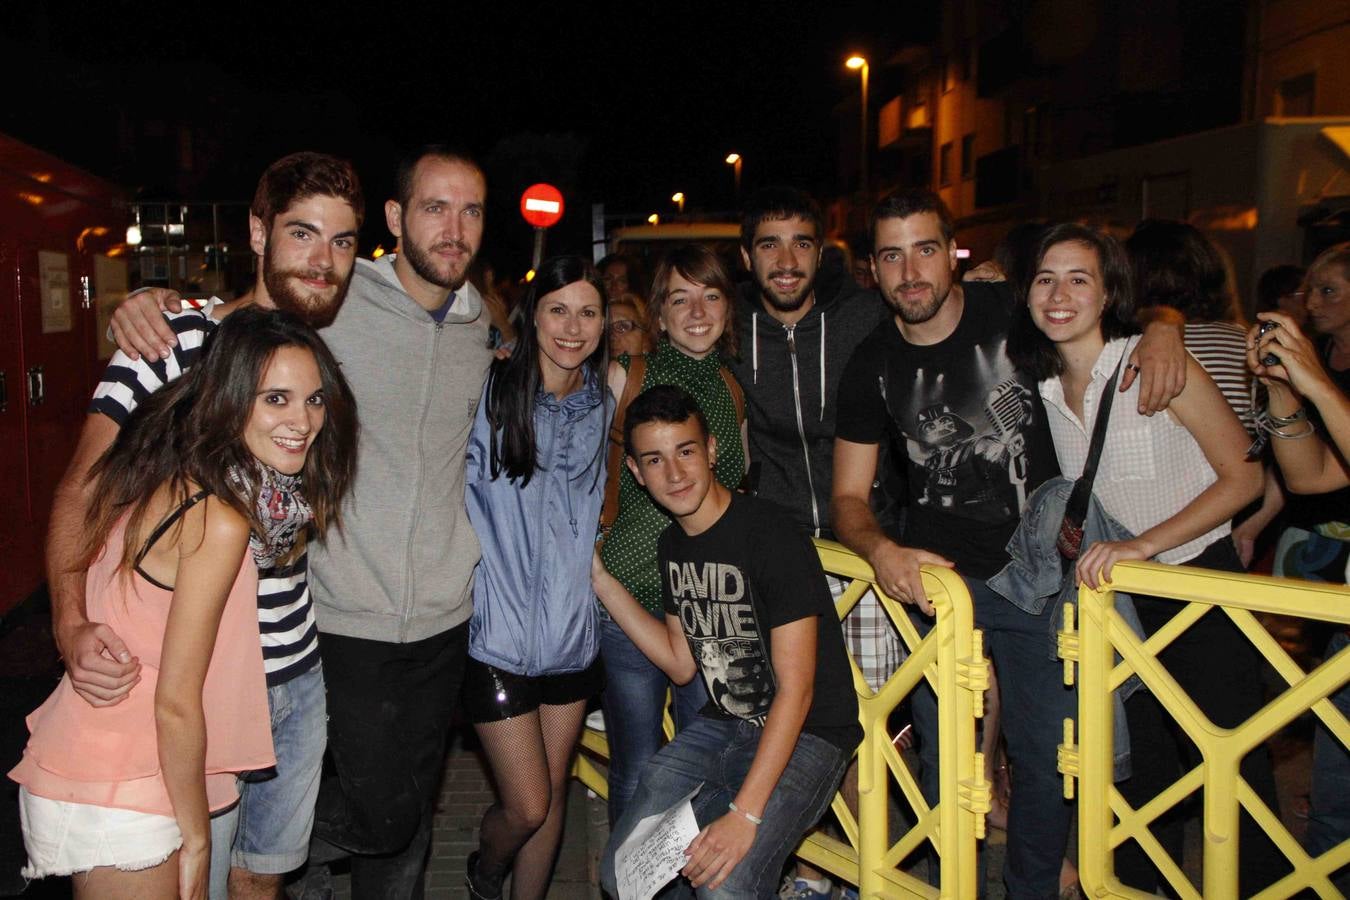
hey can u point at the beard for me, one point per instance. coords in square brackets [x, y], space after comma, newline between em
[790, 302]
[316, 309]
[420, 260]
[912, 313]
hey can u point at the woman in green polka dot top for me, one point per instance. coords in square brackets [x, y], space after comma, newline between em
[692, 321]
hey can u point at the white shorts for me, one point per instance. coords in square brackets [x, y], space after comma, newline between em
[63, 838]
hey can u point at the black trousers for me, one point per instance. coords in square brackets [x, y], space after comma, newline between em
[1221, 670]
[389, 709]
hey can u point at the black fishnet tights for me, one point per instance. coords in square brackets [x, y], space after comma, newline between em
[530, 757]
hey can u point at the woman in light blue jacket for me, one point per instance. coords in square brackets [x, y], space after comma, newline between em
[534, 487]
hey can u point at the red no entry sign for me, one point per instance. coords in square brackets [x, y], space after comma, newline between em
[542, 205]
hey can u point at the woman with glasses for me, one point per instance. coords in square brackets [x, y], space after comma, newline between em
[627, 327]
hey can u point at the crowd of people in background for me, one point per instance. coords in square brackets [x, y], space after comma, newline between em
[604, 490]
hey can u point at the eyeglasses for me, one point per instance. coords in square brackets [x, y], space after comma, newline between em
[620, 327]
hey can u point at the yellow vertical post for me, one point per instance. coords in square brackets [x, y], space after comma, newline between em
[1095, 762]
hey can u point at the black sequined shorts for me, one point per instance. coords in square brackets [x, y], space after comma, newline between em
[492, 694]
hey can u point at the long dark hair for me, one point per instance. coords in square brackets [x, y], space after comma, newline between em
[1175, 265]
[193, 431]
[1029, 349]
[514, 382]
[696, 263]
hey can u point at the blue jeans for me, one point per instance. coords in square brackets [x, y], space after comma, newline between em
[634, 701]
[1329, 812]
[1035, 705]
[717, 753]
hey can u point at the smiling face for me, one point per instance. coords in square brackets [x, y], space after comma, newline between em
[674, 462]
[308, 257]
[693, 316]
[785, 257]
[1067, 296]
[914, 265]
[288, 410]
[569, 324]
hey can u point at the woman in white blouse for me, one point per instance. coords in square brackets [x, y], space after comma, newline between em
[1174, 480]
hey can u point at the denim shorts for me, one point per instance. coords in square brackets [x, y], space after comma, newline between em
[64, 838]
[277, 815]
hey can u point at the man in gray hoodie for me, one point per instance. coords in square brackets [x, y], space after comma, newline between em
[393, 593]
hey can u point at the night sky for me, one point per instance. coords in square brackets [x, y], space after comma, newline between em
[616, 103]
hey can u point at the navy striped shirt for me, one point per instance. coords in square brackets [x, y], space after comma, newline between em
[290, 637]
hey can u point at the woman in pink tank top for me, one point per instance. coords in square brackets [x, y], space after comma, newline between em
[202, 484]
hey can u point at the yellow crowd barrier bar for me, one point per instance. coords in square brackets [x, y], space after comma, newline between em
[1105, 820]
[951, 659]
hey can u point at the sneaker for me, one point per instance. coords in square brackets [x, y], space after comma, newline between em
[848, 892]
[800, 890]
[595, 720]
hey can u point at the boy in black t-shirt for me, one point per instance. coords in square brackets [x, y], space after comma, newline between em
[748, 610]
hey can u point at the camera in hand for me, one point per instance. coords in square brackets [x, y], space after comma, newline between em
[1270, 359]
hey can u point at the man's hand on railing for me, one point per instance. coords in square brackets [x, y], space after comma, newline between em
[897, 573]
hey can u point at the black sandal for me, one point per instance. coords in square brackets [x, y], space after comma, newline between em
[476, 893]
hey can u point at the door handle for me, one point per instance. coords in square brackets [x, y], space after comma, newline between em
[85, 296]
[37, 389]
[4, 393]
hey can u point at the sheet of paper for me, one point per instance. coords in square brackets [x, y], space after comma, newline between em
[654, 851]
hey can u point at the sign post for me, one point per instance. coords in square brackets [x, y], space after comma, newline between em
[542, 206]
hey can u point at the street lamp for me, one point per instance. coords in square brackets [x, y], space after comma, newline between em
[734, 160]
[654, 219]
[859, 63]
[678, 199]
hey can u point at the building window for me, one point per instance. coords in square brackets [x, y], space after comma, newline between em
[1295, 95]
[945, 164]
[967, 157]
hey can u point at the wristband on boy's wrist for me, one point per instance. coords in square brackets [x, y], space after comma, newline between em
[754, 819]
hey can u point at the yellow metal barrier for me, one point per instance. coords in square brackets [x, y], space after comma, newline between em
[951, 659]
[1105, 820]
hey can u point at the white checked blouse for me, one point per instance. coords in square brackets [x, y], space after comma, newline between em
[1151, 467]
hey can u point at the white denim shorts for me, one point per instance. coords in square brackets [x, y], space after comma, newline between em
[64, 838]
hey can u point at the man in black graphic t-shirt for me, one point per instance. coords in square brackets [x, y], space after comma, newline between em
[748, 610]
[977, 445]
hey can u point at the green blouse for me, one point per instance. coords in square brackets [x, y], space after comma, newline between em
[629, 551]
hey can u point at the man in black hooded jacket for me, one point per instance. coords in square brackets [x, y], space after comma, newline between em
[798, 323]
[798, 326]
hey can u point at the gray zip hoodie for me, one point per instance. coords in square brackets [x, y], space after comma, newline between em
[402, 570]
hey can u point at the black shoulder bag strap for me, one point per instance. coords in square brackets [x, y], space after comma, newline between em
[1071, 529]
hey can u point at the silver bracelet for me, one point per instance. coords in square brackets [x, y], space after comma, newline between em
[754, 820]
[1290, 437]
[1300, 415]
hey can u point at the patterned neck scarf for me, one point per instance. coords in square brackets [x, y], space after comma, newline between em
[282, 510]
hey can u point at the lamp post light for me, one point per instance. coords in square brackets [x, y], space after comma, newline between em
[734, 160]
[678, 199]
[859, 64]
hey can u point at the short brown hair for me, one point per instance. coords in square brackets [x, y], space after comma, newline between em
[407, 167]
[302, 175]
[910, 202]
